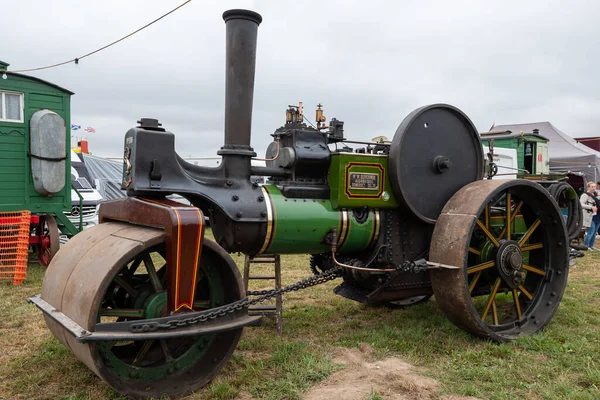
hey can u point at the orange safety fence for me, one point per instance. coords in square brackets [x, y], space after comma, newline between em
[14, 244]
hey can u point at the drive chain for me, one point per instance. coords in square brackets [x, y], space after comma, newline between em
[323, 277]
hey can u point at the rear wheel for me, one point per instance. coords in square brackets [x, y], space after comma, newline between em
[510, 242]
[568, 202]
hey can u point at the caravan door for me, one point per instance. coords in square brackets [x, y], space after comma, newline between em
[542, 165]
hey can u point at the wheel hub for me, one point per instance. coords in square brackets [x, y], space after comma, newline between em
[156, 305]
[509, 261]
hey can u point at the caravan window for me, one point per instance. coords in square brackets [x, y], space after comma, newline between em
[11, 106]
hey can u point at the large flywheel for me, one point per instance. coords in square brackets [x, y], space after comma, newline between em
[116, 272]
[510, 242]
[436, 150]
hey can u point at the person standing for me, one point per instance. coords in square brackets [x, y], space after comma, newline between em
[597, 216]
[588, 204]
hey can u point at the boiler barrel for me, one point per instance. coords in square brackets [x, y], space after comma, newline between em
[301, 225]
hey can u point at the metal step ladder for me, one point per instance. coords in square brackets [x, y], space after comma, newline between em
[265, 310]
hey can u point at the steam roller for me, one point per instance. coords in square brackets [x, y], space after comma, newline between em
[154, 308]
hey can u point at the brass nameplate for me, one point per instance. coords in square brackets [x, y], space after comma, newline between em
[364, 181]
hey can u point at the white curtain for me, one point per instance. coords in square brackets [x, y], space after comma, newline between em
[13, 106]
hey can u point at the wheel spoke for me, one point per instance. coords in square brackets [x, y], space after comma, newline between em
[128, 288]
[517, 209]
[122, 312]
[517, 304]
[474, 251]
[142, 353]
[474, 281]
[481, 267]
[165, 350]
[529, 232]
[534, 270]
[491, 299]
[495, 312]
[152, 273]
[525, 292]
[134, 266]
[534, 246]
[488, 233]
[513, 215]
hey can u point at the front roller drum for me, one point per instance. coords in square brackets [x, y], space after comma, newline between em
[509, 239]
[116, 272]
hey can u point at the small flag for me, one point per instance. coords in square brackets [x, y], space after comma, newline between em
[75, 127]
[90, 130]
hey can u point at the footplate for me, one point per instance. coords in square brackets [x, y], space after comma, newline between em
[176, 325]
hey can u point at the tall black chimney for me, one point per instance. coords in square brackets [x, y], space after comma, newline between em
[241, 32]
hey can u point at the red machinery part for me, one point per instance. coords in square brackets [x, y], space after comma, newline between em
[46, 241]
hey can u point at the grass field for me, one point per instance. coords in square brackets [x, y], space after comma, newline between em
[561, 363]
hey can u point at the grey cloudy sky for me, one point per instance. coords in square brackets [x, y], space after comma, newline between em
[369, 62]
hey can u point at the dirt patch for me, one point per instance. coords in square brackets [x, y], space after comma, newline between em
[244, 396]
[365, 376]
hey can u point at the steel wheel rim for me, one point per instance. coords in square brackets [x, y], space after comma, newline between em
[491, 303]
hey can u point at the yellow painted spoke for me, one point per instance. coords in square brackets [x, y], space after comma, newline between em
[529, 232]
[480, 267]
[472, 250]
[495, 312]
[525, 292]
[517, 304]
[534, 270]
[508, 217]
[487, 216]
[517, 209]
[491, 299]
[514, 214]
[502, 217]
[142, 353]
[532, 247]
[474, 281]
[488, 233]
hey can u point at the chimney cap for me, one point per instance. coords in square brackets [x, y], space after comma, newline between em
[3, 66]
[242, 14]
